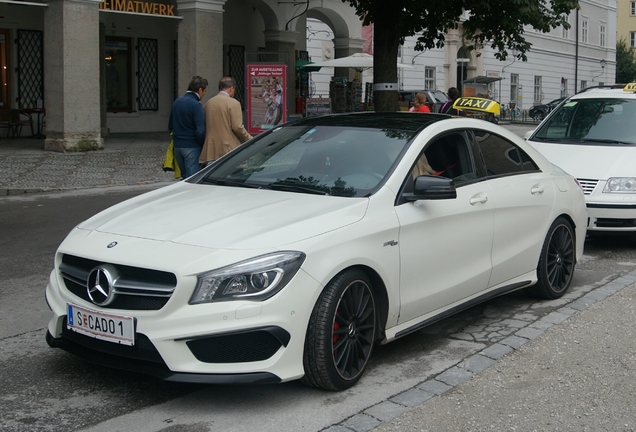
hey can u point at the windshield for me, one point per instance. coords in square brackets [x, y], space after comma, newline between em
[327, 160]
[591, 121]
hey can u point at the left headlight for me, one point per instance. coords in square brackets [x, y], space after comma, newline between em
[254, 279]
[620, 185]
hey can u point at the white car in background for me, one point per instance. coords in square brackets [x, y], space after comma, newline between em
[592, 136]
[292, 256]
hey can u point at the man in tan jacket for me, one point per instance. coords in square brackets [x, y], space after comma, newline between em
[223, 122]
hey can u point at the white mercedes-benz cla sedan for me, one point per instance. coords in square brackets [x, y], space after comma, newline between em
[295, 254]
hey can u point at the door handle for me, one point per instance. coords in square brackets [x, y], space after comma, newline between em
[479, 199]
[537, 189]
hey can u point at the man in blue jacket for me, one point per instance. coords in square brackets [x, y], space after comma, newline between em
[187, 125]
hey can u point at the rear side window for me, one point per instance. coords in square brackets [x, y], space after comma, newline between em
[503, 157]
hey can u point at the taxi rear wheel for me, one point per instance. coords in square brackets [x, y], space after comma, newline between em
[341, 333]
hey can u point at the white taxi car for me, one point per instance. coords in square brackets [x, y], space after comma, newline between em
[293, 255]
[592, 135]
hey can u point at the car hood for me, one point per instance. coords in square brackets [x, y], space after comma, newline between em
[227, 217]
[590, 161]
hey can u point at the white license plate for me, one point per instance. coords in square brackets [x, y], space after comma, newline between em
[112, 328]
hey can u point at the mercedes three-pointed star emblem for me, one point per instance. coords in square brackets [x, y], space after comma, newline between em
[100, 285]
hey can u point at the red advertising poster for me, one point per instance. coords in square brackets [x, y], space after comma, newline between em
[266, 101]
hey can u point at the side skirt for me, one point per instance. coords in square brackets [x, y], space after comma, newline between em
[475, 301]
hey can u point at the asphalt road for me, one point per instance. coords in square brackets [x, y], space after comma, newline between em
[42, 389]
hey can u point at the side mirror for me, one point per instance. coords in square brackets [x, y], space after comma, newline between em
[432, 188]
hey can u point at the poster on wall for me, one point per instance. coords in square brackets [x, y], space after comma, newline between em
[266, 86]
[318, 106]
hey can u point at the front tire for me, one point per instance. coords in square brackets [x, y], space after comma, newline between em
[341, 332]
[557, 261]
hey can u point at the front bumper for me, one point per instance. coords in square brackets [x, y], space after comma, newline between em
[89, 349]
[610, 217]
[225, 342]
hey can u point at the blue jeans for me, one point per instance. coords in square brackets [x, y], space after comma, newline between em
[188, 160]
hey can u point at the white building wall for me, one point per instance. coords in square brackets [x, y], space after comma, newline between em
[552, 57]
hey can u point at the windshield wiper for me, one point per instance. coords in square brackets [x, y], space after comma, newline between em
[222, 182]
[295, 187]
[606, 141]
[580, 140]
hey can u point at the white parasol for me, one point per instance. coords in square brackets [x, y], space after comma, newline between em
[358, 61]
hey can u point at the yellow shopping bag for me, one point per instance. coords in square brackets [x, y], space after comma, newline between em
[170, 163]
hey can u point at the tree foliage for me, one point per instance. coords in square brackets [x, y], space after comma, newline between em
[499, 24]
[625, 63]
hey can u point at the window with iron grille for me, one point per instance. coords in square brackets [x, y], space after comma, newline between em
[30, 68]
[236, 67]
[147, 75]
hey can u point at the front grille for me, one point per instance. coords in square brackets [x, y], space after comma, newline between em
[137, 288]
[615, 223]
[588, 185]
[249, 346]
[143, 349]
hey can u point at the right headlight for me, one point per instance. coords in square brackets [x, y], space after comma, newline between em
[258, 278]
[620, 185]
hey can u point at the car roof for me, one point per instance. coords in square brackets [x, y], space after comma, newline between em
[377, 120]
[606, 91]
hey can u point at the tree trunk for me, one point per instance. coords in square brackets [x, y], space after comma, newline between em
[386, 39]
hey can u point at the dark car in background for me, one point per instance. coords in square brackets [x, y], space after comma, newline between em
[434, 99]
[539, 112]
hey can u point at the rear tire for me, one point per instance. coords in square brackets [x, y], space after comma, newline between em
[341, 332]
[556, 263]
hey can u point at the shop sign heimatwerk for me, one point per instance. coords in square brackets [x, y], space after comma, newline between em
[137, 6]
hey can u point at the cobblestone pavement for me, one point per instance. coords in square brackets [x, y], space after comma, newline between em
[130, 159]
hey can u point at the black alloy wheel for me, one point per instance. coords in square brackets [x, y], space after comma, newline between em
[557, 261]
[341, 332]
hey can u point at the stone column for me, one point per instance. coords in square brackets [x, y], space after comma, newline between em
[200, 43]
[344, 47]
[451, 47]
[285, 42]
[71, 76]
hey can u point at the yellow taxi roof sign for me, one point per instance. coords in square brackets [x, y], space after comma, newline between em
[631, 87]
[477, 104]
